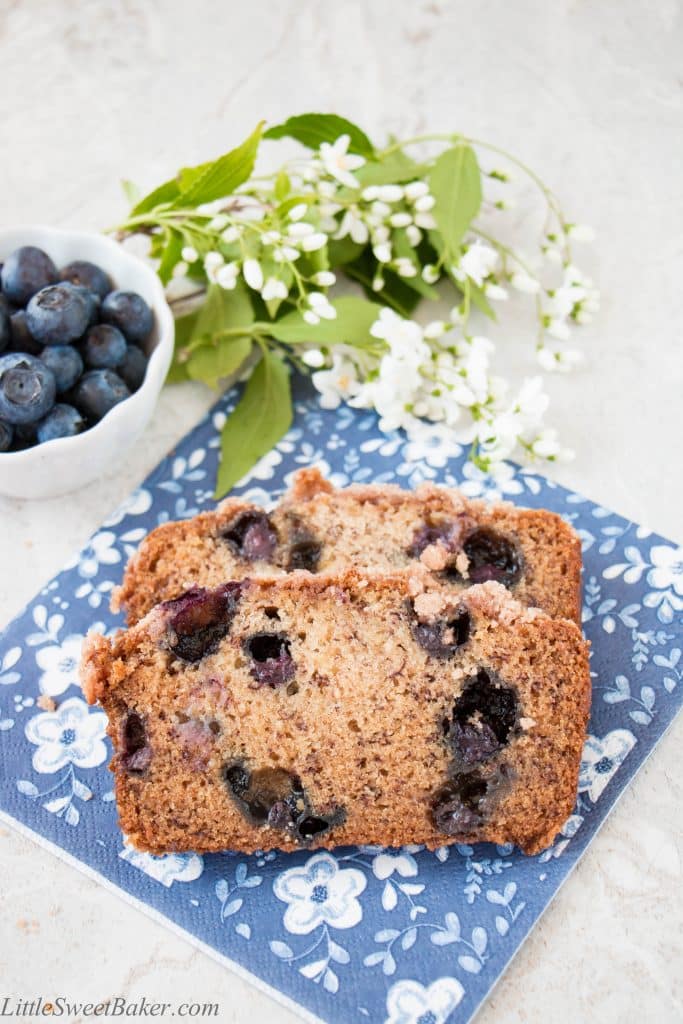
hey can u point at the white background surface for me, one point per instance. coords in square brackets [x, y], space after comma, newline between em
[589, 94]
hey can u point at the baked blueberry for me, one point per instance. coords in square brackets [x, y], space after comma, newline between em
[22, 340]
[66, 364]
[89, 275]
[491, 556]
[303, 547]
[130, 313]
[252, 536]
[199, 619]
[58, 314]
[27, 388]
[25, 272]
[133, 368]
[6, 436]
[104, 347]
[97, 392]
[61, 421]
[271, 660]
[135, 754]
[276, 797]
[427, 534]
[458, 807]
[483, 717]
[443, 637]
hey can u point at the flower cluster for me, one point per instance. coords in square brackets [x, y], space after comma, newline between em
[399, 227]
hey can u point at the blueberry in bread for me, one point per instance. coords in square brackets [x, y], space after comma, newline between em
[310, 711]
[375, 528]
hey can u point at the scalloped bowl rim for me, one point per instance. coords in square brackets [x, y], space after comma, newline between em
[158, 361]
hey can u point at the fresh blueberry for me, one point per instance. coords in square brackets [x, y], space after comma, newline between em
[5, 304]
[104, 347]
[27, 388]
[135, 753]
[303, 546]
[24, 436]
[483, 717]
[5, 329]
[130, 313]
[252, 536]
[66, 364]
[89, 275]
[492, 556]
[271, 660]
[6, 436]
[97, 392]
[199, 619]
[93, 302]
[132, 369]
[62, 421]
[25, 272]
[442, 638]
[22, 339]
[57, 314]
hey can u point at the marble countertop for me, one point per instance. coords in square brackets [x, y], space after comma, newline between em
[590, 94]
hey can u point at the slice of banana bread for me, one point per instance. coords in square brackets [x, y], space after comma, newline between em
[376, 528]
[310, 711]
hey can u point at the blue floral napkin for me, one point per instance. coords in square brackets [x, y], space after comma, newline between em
[398, 936]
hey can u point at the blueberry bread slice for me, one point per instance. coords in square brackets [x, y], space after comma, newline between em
[376, 528]
[305, 711]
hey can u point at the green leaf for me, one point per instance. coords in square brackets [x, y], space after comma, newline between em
[170, 256]
[262, 416]
[391, 170]
[283, 185]
[219, 178]
[313, 129]
[352, 325]
[165, 193]
[219, 358]
[343, 250]
[481, 302]
[403, 248]
[223, 309]
[455, 183]
[395, 292]
[184, 327]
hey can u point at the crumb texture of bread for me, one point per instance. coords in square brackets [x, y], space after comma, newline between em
[302, 712]
[374, 528]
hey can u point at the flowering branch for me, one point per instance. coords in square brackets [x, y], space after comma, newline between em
[266, 250]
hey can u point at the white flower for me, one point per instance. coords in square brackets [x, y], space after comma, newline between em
[253, 274]
[339, 163]
[100, 551]
[495, 292]
[382, 252]
[410, 1002]
[415, 189]
[324, 278]
[400, 220]
[338, 383]
[318, 893]
[389, 193]
[353, 225]
[314, 358]
[226, 276]
[71, 734]
[404, 267]
[602, 758]
[311, 243]
[189, 254]
[424, 220]
[284, 253]
[298, 211]
[218, 222]
[477, 263]
[274, 289]
[311, 318]
[425, 203]
[231, 234]
[59, 665]
[384, 865]
[667, 570]
[580, 232]
[321, 306]
[430, 274]
[300, 230]
[414, 235]
[212, 263]
[525, 283]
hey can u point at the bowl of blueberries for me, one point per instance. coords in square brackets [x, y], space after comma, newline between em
[86, 340]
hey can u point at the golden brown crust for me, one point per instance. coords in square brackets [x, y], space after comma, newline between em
[368, 526]
[362, 726]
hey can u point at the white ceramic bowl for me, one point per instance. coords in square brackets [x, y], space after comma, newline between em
[68, 463]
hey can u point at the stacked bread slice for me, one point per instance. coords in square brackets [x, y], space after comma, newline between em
[367, 665]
